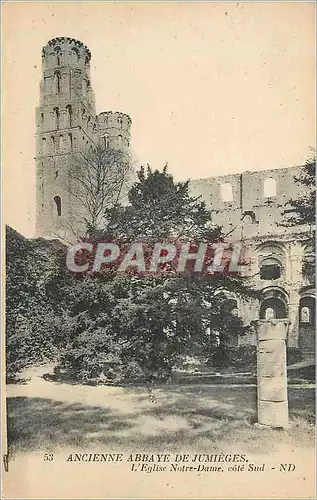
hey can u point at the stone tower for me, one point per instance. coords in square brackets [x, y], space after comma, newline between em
[67, 128]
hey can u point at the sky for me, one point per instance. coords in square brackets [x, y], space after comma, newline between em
[212, 88]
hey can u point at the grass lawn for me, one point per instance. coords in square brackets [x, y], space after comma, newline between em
[51, 416]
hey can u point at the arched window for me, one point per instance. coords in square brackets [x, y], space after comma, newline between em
[271, 260]
[44, 145]
[57, 82]
[119, 140]
[106, 141]
[57, 51]
[308, 264]
[83, 116]
[248, 217]
[69, 117]
[75, 53]
[70, 141]
[56, 118]
[58, 203]
[270, 269]
[42, 118]
[120, 122]
[229, 306]
[61, 142]
[305, 315]
[269, 188]
[226, 192]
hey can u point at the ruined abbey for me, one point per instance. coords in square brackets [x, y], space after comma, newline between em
[249, 206]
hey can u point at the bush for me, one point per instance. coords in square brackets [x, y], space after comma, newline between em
[244, 357]
[293, 355]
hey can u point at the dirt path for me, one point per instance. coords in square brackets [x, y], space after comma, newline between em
[47, 417]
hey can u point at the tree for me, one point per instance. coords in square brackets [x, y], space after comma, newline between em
[304, 207]
[146, 323]
[159, 208]
[99, 181]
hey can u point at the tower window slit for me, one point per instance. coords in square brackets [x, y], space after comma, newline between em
[58, 203]
[106, 142]
[56, 117]
[57, 80]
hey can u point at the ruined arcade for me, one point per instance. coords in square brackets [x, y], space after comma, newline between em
[249, 206]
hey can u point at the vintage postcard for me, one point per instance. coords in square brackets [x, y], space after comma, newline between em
[159, 250]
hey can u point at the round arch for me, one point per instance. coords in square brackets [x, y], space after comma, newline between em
[307, 321]
[274, 305]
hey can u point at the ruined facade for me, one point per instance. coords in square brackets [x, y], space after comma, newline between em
[252, 208]
[249, 206]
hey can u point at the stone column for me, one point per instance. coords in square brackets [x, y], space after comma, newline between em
[272, 401]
